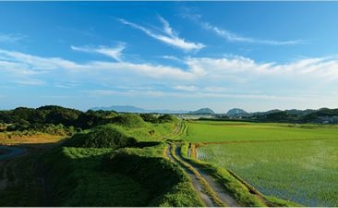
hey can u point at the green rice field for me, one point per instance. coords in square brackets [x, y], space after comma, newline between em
[293, 162]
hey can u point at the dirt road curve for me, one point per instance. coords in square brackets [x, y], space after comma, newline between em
[212, 193]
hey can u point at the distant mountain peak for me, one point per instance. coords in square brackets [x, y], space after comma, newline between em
[133, 109]
[237, 112]
[203, 111]
[121, 108]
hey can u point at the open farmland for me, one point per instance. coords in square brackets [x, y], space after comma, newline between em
[293, 162]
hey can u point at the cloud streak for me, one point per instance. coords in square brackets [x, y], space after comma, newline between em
[232, 37]
[10, 38]
[168, 36]
[115, 53]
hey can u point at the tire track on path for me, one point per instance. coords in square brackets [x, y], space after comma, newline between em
[211, 192]
[195, 182]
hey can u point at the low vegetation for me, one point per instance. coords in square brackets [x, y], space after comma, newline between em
[292, 162]
[102, 157]
[166, 183]
[108, 163]
[102, 137]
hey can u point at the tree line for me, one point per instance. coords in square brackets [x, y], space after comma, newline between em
[55, 119]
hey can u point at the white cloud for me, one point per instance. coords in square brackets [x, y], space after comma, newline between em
[172, 58]
[33, 64]
[189, 88]
[30, 82]
[114, 53]
[169, 37]
[20, 66]
[232, 37]
[10, 38]
[232, 77]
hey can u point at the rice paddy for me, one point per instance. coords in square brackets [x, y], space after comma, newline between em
[293, 162]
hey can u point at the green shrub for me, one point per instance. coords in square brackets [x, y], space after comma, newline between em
[148, 117]
[166, 118]
[129, 121]
[165, 181]
[102, 137]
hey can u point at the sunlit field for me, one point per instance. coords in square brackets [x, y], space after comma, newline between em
[293, 162]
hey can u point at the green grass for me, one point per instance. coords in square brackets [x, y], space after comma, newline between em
[245, 195]
[76, 178]
[133, 176]
[149, 132]
[297, 163]
[208, 131]
[165, 182]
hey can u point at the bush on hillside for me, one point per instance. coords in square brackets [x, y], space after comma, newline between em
[157, 174]
[166, 183]
[148, 117]
[129, 120]
[102, 137]
[166, 118]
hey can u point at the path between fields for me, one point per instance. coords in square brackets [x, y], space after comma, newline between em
[196, 174]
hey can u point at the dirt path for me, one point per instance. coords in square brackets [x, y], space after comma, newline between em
[211, 192]
[195, 182]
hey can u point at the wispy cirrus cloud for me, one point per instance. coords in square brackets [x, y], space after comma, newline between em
[10, 38]
[168, 36]
[115, 53]
[189, 88]
[233, 37]
[30, 82]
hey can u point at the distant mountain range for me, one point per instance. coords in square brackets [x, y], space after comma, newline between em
[237, 112]
[202, 111]
[234, 113]
[133, 109]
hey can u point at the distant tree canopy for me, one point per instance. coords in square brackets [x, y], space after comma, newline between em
[23, 118]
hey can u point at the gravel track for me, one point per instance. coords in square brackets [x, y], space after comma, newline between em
[196, 176]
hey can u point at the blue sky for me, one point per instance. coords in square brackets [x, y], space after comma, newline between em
[169, 55]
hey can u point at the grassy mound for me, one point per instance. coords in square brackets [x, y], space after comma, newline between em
[129, 121]
[102, 137]
[74, 178]
[166, 183]
[127, 177]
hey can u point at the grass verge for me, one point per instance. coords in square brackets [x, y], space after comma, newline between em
[245, 194]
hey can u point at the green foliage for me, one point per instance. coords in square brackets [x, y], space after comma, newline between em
[180, 195]
[148, 117]
[102, 137]
[167, 118]
[165, 181]
[129, 121]
[75, 178]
